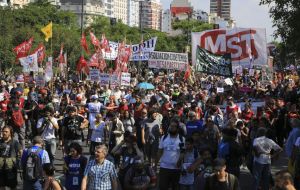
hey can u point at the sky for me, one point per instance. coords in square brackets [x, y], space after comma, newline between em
[246, 13]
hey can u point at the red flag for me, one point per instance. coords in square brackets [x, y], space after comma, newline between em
[61, 58]
[41, 52]
[187, 73]
[97, 60]
[105, 43]
[82, 65]
[94, 39]
[23, 49]
[84, 43]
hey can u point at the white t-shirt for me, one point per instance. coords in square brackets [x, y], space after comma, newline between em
[171, 151]
[49, 130]
[264, 146]
[188, 178]
[94, 109]
[98, 132]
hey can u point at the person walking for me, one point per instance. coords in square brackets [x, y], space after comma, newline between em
[32, 162]
[100, 174]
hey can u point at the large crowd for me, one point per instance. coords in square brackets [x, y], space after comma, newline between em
[170, 133]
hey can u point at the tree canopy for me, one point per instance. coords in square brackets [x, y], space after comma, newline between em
[285, 15]
[18, 25]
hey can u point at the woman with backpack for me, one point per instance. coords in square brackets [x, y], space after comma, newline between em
[74, 166]
[50, 183]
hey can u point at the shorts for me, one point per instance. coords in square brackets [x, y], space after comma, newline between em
[9, 178]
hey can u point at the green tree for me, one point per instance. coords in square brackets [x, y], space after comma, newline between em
[285, 15]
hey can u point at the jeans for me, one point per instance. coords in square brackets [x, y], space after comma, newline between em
[19, 134]
[50, 147]
[32, 185]
[261, 173]
[168, 177]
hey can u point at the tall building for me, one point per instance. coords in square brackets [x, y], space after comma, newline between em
[120, 10]
[181, 9]
[109, 8]
[151, 14]
[91, 8]
[133, 13]
[221, 8]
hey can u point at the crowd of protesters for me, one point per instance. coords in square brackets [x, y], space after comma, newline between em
[181, 134]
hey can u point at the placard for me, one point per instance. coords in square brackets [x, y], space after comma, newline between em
[168, 60]
[104, 78]
[125, 79]
[94, 75]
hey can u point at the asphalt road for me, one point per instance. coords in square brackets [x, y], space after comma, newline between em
[246, 179]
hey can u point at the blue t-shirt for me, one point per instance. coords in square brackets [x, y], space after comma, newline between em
[193, 126]
[223, 150]
[75, 173]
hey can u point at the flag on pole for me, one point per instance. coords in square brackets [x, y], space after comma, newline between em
[47, 31]
[84, 43]
[187, 73]
[23, 49]
[94, 40]
[82, 66]
[61, 58]
[104, 43]
[41, 54]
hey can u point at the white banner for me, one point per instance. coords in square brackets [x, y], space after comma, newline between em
[48, 70]
[20, 79]
[94, 75]
[29, 63]
[125, 79]
[139, 51]
[247, 45]
[104, 78]
[168, 60]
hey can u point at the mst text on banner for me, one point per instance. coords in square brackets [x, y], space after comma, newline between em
[168, 60]
[209, 63]
[247, 46]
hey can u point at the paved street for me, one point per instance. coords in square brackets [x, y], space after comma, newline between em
[245, 181]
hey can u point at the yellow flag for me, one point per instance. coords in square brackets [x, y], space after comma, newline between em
[47, 31]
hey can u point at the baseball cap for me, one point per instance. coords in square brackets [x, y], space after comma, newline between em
[94, 97]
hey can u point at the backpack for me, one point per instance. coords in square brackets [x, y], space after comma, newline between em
[33, 165]
[17, 118]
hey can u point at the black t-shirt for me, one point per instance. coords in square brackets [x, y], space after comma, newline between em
[212, 183]
[71, 127]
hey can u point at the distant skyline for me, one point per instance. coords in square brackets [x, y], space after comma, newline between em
[246, 13]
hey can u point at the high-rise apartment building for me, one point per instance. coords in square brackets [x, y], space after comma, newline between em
[109, 8]
[151, 14]
[133, 13]
[221, 8]
[91, 8]
[120, 10]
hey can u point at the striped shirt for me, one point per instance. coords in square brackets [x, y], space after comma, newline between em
[100, 176]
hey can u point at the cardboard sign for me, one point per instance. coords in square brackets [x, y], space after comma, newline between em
[168, 60]
[94, 75]
[125, 79]
[104, 78]
[40, 80]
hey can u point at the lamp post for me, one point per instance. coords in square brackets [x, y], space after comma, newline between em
[141, 32]
[81, 17]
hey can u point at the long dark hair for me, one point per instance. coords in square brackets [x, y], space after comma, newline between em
[11, 130]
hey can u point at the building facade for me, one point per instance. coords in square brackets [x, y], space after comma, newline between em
[151, 14]
[222, 8]
[91, 8]
[120, 10]
[133, 13]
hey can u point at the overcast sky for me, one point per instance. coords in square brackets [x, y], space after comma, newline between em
[247, 13]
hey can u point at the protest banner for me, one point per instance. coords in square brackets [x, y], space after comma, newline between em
[114, 80]
[48, 70]
[104, 78]
[209, 63]
[140, 52]
[168, 60]
[40, 80]
[94, 75]
[20, 79]
[246, 45]
[125, 79]
[29, 63]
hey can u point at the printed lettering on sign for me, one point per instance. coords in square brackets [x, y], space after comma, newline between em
[246, 46]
